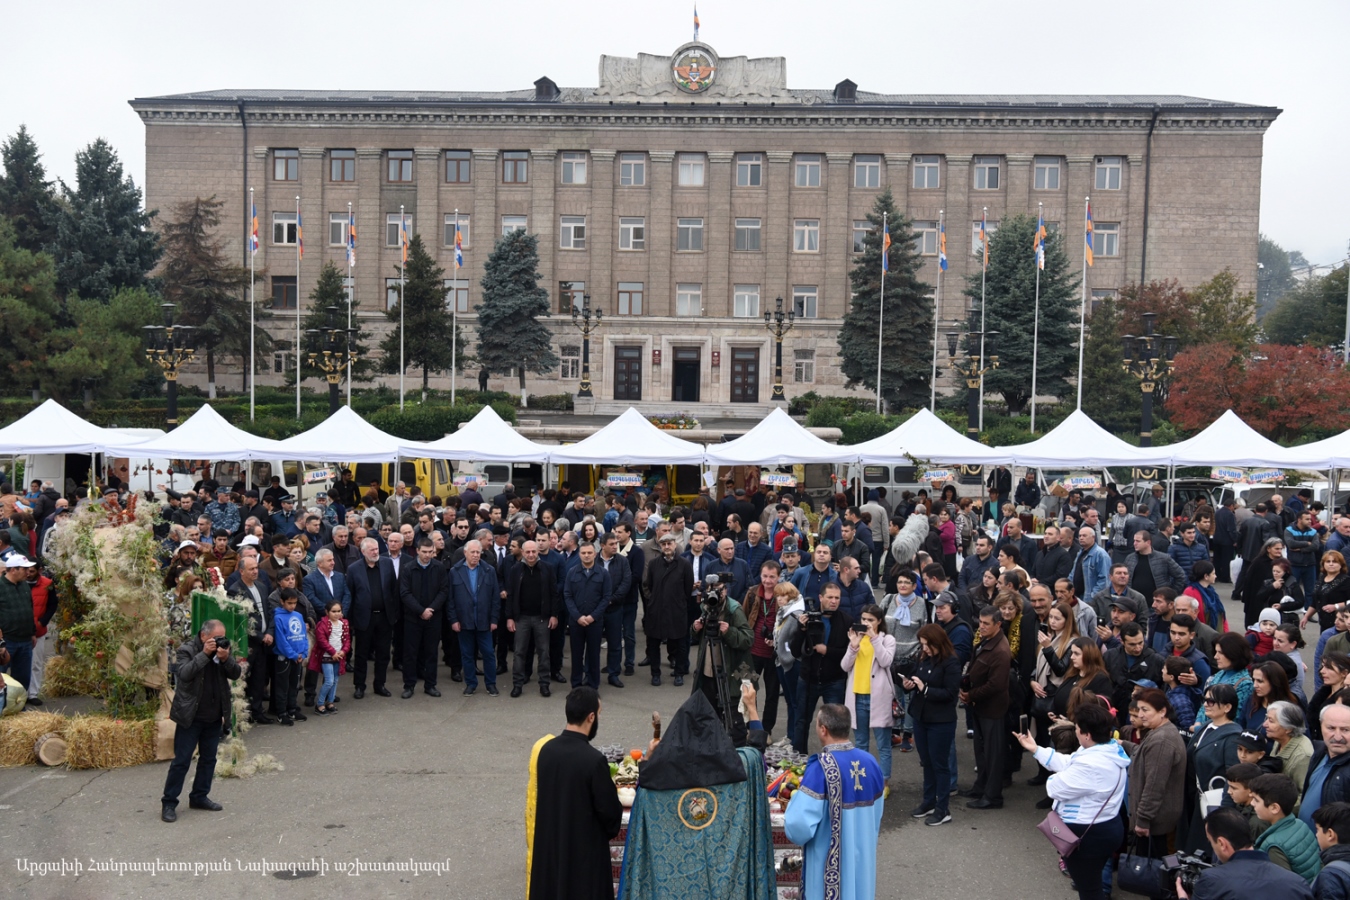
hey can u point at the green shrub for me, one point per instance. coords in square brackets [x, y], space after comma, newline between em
[417, 422]
[552, 402]
[864, 426]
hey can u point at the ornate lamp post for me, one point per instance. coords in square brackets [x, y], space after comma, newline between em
[169, 346]
[974, 366]
[582, 318]
[1148, 358]
[331, 353]
[779, 323]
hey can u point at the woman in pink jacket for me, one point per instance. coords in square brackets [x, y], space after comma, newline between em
[867, 667]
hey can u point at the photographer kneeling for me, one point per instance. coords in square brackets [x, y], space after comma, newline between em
[1244, 873]
[724, 637]
[204, 669]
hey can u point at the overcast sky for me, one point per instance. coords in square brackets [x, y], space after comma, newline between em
[70, 67]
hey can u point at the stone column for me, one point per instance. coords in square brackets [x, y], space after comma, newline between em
[1019, 183]
[717, 288]
[544, 223]
[660, 226]
[427, 177]
[602, 238]
[961, 212]
[836, 292]
[1132, 218]
[371, 256]
[777, 232]
[897, 179]
[1078, 179]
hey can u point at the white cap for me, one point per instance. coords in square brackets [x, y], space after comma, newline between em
[19, 561]
[250, 540]
[183, 546]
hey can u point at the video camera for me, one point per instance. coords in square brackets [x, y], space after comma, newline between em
[1185, 866]
[712, 600]
[815, 623]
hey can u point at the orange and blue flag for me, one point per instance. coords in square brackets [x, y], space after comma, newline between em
[299, 234]
[1087, 235]
[695, 21]
[1038, 245]
[942, 247]
[885, 248]
[253, 238]
[351, 240]
[459, 248]
[984, 238]
[403, 236]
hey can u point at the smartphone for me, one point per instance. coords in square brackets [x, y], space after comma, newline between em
[1103, 622]
[1023, 724]
[1045, 629]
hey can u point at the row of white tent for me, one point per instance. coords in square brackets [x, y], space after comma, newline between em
[631, 439]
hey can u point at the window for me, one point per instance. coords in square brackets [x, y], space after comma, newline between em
[806, 236]
[867, 171]
[515, 167]
[747, 234]
[286, 165]
[632, 169]
[1108, 173]
[808, 170]
[860, 229]
[804, 300]
[691, 169]
[986, 173]
[632, 233]
[976, 248]
[514, 223]
[572, 233]
[283, 292]
[688, 299]
[803, 366]
[400, 166]
[392, 238]
[450, 220]
[573, 168]
[1106, 239]
[391, 292]
[689, 234]
[570, 354]
[926, 169]
[630, 298]
[926, 238]
[281, 361]
[1098, 298]
[337, 229]
[341, 165]
[570, 294]
[457, 295]
[283, 228]
[1047, 173]
[749, 170]
[745, 304]
[457, 166]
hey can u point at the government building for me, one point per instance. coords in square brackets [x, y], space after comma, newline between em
[687, 193]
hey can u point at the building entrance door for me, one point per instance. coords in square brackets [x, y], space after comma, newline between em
[686, 375]
[627, 373]
[744, 374]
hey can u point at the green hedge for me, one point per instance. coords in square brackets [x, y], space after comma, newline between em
[552, 402]
[431, 423]
[861, 427]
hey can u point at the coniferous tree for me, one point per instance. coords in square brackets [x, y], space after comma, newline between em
[1110, 395]
[27, 198]
[331, 290]
[907, 339]
[427, 324]
[103, 240]
[510, 335]
[1010, 309]
[211, 293]
[29, 307]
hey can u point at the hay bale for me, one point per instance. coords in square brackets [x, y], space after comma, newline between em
[20, 732]
[100, 742]
[65, 680]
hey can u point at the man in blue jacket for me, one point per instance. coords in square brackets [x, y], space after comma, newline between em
[1091, 569]
[854, 592]
[474, 607]
[754, 551]
[374, 615]
[321, 587]
[620, 583]
[730, 570]
[809, 579]
[423, 589]
[586, 594]
[1244, 873]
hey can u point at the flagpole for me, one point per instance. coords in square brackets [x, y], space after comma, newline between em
[252, 301]
[454, 315]
[402, 281]
[984, 272]
[299, 251]
[351, 296]
[881, 306]
[937, 308]
[1082, 309]
[1036, 313]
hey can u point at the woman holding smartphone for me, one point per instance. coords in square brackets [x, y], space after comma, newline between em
[867, 672]
[935, 685]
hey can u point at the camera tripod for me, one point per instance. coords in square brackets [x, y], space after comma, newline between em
[713, 636]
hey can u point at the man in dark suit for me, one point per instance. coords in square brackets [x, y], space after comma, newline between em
[1054, 561]
[321, 587]
[252, 585]
[424, 589]
[374, 614]
[474, 609]
[503, 560]
[530, 616]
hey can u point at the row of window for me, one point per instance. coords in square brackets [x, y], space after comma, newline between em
[803, 363]
[691, 169]
[688, 233]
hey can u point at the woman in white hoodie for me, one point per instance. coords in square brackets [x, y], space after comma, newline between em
[1087, 788]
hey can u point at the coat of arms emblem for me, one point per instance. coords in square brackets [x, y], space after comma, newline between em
[694, 71]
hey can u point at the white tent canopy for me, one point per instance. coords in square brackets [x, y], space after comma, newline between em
[51, 428]
[204, 435]
[342, 437]
[1078, 441]
[1229, 441]
[777, 440]
[1329, 453]
[484, 438]
[923, 436]
[629, 440]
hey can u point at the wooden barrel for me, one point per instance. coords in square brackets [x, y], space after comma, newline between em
[51, 749]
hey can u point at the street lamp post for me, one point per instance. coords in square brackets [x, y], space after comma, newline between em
[581, 318]
[1148, 358]
[331, 354]
[779, 323]
[970, 368]
[169, 347]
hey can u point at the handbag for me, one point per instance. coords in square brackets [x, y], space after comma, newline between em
[1212, 799]
[1140, 874]
[1061, 836]
[1042, 706]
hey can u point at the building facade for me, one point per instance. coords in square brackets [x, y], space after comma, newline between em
[687, 194]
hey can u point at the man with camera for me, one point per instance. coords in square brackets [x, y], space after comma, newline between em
[1244, 872]
[724, 637]
[201, 705]
[820, 644]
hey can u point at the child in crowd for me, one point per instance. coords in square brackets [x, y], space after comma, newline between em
[290, 641]
[1261, 636]
[332, 646]
[1254, 749]
[1179, 696]
[1238, 777]
[1288, 842]
[1333, 836]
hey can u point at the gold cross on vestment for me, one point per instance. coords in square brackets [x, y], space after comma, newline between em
[857, 772]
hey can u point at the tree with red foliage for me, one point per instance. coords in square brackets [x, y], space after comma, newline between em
[1282, 391]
